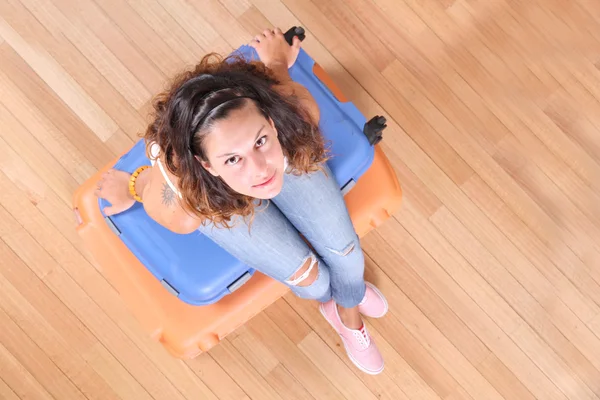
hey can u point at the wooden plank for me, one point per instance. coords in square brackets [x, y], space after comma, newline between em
[217, 380]
[254, 351]
[26, 147]
[62, 120]
[295, 328]
[518, 29]
[17, 31]
[236, 7]
[399, 16]
[301, 368]
[503, 379]
[573, 123]
[492, 172]
[286, 385]
[63, 320]
[458, 393]
[350, 22]
[78, 32]
[584, 298]
[140, 76]
[166, 54]
[542, 353]
[44, 132]
[348, 383]
[254, 21]
[223, 22]
[549, 197]
[198, 20]
[57, 345]
[474, 301]
[188, 47]
[6, 392]
[35, 360]
[582, 197]
[19, 378]
[62, 218]
[242, 372]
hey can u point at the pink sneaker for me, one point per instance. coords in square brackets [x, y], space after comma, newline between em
[361, 349]
[374, 304]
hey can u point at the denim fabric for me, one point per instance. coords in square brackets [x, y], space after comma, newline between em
[313, 206]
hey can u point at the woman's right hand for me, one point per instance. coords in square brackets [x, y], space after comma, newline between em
[114, 187]
[273, 50]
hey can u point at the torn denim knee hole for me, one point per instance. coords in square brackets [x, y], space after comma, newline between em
[345, 251]
[313, 262]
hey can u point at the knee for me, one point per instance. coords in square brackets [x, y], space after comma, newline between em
[311, 280]
[346, 251]
[307, 274]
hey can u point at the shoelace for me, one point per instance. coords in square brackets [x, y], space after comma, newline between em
[363, 337]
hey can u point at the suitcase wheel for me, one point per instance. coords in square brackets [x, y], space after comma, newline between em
[373, 129]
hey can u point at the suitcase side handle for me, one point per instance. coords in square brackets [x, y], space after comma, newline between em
[239, 282]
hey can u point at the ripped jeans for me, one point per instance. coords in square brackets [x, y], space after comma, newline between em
[311, 205]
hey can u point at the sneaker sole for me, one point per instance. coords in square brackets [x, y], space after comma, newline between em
[366, 371]
[382, 297]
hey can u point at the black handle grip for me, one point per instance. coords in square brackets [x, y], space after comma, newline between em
[294, 31]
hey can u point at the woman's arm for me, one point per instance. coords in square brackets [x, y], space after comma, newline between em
[159, 201]
[277, 54]
[288, 87]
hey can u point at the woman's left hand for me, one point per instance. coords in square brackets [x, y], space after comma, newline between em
[274, 50]
[114, 187]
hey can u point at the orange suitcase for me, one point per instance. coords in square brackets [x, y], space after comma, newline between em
[185, 329]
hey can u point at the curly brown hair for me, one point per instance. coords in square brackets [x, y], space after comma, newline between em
[196, 99]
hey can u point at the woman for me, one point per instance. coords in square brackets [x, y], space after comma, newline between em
[240, 158]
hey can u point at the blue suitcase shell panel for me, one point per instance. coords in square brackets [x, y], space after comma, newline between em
[192, 266]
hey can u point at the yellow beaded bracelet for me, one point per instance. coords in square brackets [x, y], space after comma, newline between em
[132, 182]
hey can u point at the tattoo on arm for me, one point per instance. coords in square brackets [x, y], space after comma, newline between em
[168, 196]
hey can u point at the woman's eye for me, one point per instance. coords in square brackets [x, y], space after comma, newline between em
[232, 161]
[261, 141]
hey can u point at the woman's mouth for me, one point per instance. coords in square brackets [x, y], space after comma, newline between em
[267, 182]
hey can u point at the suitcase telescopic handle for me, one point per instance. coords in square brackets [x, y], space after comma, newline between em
[294, 31]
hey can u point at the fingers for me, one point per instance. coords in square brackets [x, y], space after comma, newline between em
[267, 33]
[296, 42]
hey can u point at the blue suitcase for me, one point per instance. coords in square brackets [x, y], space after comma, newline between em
[194, 268]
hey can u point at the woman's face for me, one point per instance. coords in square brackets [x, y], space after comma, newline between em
[245, 152]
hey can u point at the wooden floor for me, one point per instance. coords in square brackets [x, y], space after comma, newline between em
[491, 268]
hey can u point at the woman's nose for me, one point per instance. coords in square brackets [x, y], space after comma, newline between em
[259, 166]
